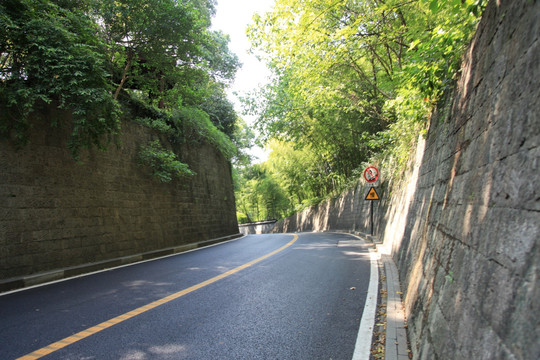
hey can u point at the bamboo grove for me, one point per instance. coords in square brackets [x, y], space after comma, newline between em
[353, 81]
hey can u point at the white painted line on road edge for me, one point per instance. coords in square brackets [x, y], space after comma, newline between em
[365, 331]
[116, 267]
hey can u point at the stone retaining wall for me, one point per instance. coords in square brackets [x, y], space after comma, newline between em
[464, 228]
[55, 213]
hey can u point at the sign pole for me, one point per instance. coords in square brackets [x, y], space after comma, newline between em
[371, 217]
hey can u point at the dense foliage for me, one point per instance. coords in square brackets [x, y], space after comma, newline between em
[94, 58]
[259, 196]
[49, 54]
[163, 164]
[353, 80]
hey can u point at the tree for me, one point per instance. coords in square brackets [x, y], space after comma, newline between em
[220, 109]
[259, 195]
[148, 40]
[49, 54]
[82, 55]
[243, 138]
[154, 46]
[353, 78]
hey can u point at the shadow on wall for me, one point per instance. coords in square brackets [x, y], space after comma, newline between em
[469, 253]
[473, 235]
[348, 212]
[58, 214]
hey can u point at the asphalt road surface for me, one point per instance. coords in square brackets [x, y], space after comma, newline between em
[280, 296]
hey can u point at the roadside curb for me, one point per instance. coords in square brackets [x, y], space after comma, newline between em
[396, 346]
[89, 268]
[395, 332]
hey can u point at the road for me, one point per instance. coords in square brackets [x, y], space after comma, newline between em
[280, 296]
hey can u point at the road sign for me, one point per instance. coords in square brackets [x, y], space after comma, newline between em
[371, 174]
[372, 194]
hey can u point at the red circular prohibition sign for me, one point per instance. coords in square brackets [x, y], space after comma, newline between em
[371, 174]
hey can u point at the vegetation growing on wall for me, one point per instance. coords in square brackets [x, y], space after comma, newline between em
[352, 81]
[164, 164]
[184, 125]
[90, 57]
[49, 54]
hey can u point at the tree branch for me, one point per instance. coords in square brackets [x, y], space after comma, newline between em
[125, 74]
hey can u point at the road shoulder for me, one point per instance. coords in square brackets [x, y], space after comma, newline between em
[8, 286]
[396, 345]
[389, 341]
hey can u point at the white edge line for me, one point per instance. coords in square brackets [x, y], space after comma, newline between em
[365, 332]
[116, 267]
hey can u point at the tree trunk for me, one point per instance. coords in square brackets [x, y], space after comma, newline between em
[124, 75]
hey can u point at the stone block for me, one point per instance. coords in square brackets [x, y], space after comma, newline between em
[97, 209]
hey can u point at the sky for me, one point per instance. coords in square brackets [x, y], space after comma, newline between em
[233, 17]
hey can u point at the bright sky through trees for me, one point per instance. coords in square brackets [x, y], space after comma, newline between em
[353, 83]
[232, 17]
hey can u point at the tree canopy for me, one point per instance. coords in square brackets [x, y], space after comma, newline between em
[352, 79]
[49, 53]
[84, 55]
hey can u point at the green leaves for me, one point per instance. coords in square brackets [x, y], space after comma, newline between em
[165, 49]
[259, 195]
[196, 127]
[356, 79]
[333, 63]
[164, 164]
[81, 56]
[51, 55]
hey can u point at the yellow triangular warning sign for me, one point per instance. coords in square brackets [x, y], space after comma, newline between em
[372, 194]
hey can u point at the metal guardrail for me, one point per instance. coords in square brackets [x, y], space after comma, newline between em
[263, 222]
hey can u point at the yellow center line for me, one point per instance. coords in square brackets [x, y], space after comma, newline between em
[116, 320]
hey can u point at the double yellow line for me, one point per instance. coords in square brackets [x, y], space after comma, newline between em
[121, 318]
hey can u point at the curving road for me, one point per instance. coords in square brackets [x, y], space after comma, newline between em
[281, 296]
